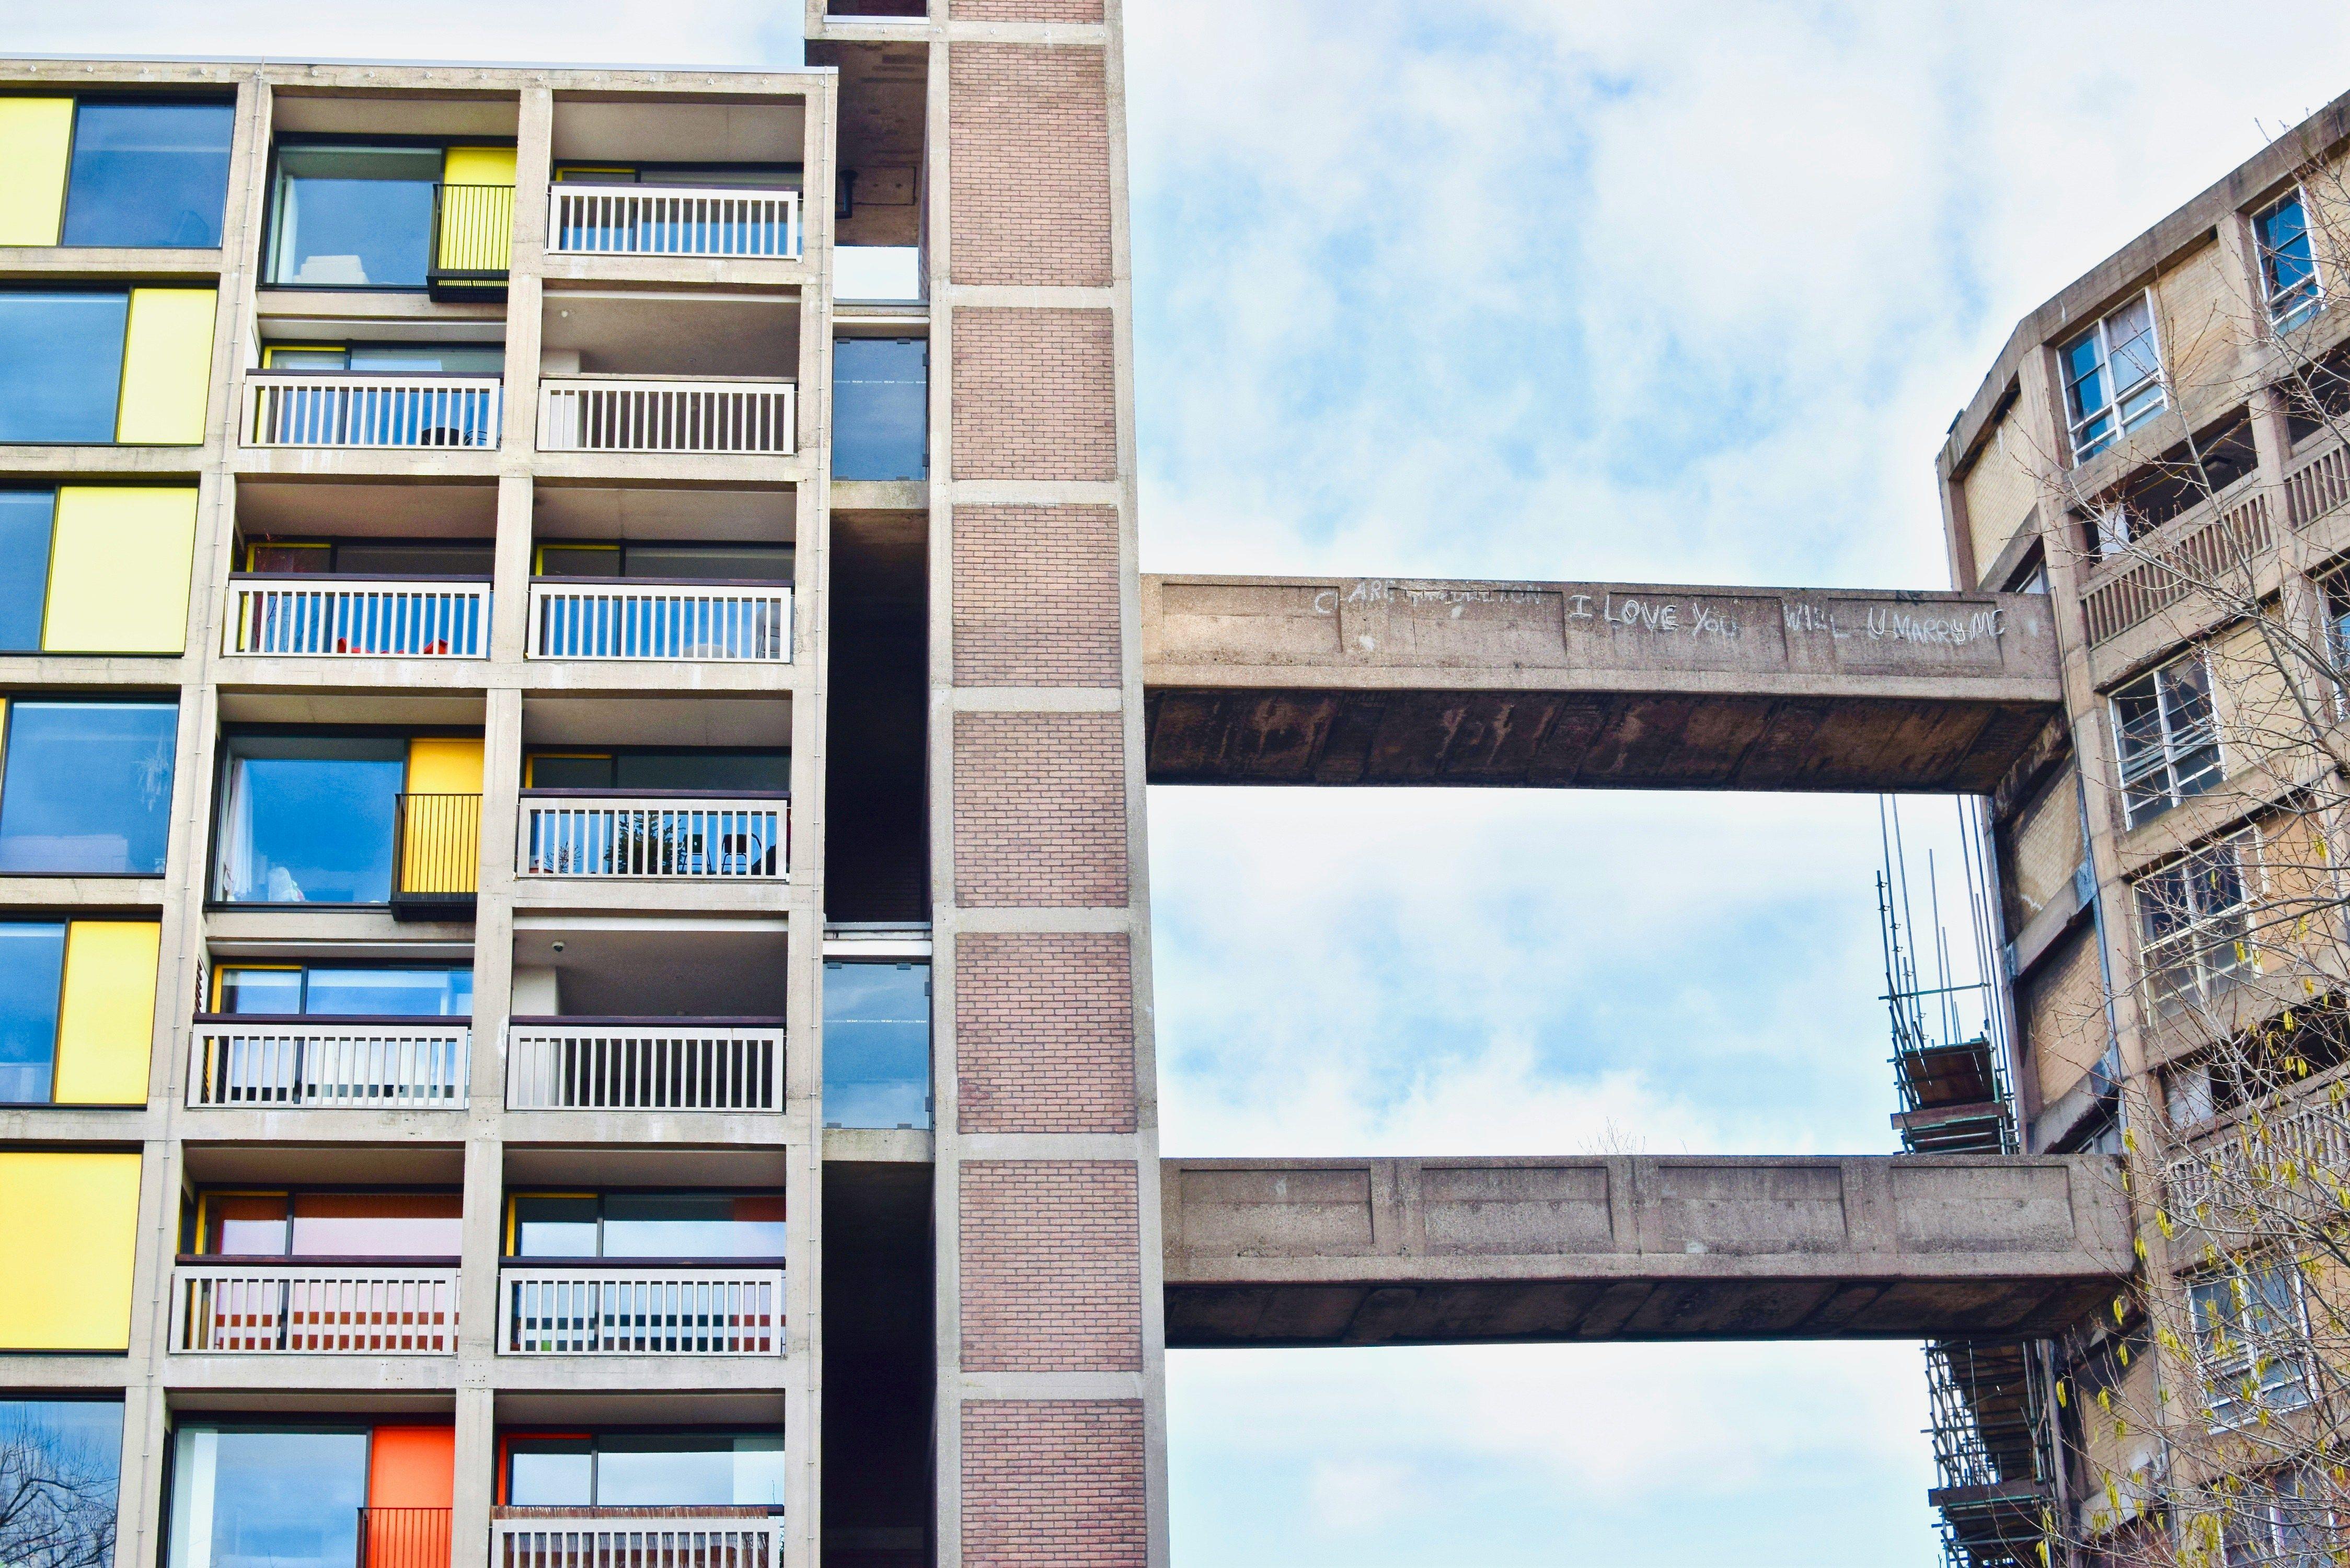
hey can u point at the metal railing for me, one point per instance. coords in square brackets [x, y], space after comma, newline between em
[671, 221]
[2206, 555]
[370, 1064]
[645, 1064]
[636, 1538]
[745, 623]
[2265, 1152]
[305, 616]
[246, 1308]
[331, 407]
[671, 414]
[615, 833]
[620, 1311]
[404, 1538]
[436, 846]
[473, 225]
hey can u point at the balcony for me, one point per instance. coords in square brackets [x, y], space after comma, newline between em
[2258, 1159]
[472, 227]
[278, 1309]
[672, 221]
[653, 835]
[436, 856]
[746, 1536]
[633, 1309]
[341, 1062]
[668, 414]
[647, 619]
[645, 1064]
[309, 616]
[404, 1538]
[332, 409]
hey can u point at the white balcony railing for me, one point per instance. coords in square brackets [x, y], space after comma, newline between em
[2252, 1161]
[671, 221]
[645, 1064]
[676, 414]
[302, 615]
[636, 1538]
[371, 1063]
[611, 1311]
[246, 1308]
[587, 832]
[308, 408]
[749, 623]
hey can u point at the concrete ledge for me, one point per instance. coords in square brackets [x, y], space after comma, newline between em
[1432, 1251]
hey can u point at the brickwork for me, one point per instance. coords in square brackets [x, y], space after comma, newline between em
[1035, 596]
[1040, 809]
[1035, 395]
[1045, 1033]
[1029, 155]
[1024, 11]
[1052, 1266]
[1053, 1481]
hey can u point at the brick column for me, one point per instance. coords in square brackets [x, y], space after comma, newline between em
[1051, 1417]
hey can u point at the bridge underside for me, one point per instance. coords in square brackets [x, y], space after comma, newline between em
[1367, 681]
[1451, 1251]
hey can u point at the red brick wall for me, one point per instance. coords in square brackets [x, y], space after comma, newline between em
[1039, 809]
[1025, 11]
[1052, 1260]
[1035, 395]
[1035, 596]
[1052, 1481]
[1029, 155]
[1045, 1033]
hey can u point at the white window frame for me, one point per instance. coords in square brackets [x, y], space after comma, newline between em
[2312, 294]
[2201, 949]
[2165, 764]
[2224, 1367]
[2112, 410]
[2282, 1536]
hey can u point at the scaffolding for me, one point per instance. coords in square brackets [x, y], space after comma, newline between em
[1994, 1462]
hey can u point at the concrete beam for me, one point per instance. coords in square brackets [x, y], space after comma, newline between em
[1337, 680]
[1461, 1251]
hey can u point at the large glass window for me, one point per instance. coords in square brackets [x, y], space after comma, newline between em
[26, 519]
[87, 787]
[2113, 379]
[63, 354]
[284, 990]
[2191, 923]
[2167, 738]
[307, 819]
[32, 975]
[353, 217]
[149, 174]
[329, 1224]
[877, 1045]
[685, 1225]
[2287, 264]
[881, 408]
[678, 562]
[266, 1499]
[651, 768]
[647, 1470]
[60, 1467]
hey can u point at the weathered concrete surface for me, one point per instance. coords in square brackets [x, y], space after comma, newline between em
[1448, 1252]
[1332, 681]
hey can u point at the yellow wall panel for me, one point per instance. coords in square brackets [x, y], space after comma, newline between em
[67, 1228]
[119, 569]
[442, 838]
[106, 1019]
[445, 764]
[36, 141]
[477, 209]
[167, 368]
[478, 166]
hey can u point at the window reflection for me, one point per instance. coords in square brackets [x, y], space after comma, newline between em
[65, 1468]
[687, 1225]
[307, 819]
[266, 1499]
[32, 969]
[25, 517]
[877, 1045]
[63, 352]
[87, 787]
[353, 217]
[288, 989]
[880, 419]
[149, 174]
[647, 1470]
[329, 1224]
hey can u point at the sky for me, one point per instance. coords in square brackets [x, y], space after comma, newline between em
[1659, 291]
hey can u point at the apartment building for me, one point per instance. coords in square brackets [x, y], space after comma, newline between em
[2161, 449]
[519, 745]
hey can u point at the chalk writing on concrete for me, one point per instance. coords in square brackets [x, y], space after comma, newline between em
[1380, 591]
[1659, 616]
[1890, 623]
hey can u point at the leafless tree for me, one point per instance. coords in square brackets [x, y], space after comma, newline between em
[56, 1496]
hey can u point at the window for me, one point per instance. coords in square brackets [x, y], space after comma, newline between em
[2247, 1340]
[712, 772]
[2287, 264]
[2191, 923]
[676, 562]
[881, 407]
[86, 788]
[327, 1224]
[353, 217]
[149, 174]
[646, 1470]
[2333, 593]
[60, 1466]
[2112, 377]
[877, 1044]
[2283, 1521]
[2167, 738]
[307, 819]
[77, 1011]
[91, 366]
[268, 1498]
[697, 1226]
[389, 359]
[95, 568]
[372, 557]
[345, 990]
